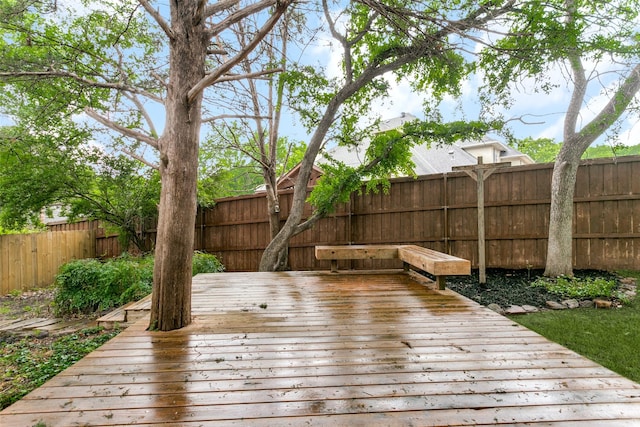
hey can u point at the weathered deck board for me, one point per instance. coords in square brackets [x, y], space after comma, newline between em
[272, 349]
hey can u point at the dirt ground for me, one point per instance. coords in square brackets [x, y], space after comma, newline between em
[28, 305]
[17, 309]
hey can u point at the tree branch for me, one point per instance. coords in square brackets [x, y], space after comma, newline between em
[241, 14]
[121, 129]
[233, 116]
[140, 158]
[346, 48]
[254, 75]
[614, 108]
[133, 98]
[67, 74]
[166, 27]
[579, 81]
[219, 6]
[224, 68]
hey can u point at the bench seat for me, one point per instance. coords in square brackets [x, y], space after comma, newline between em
[433, 262]
[437, 263]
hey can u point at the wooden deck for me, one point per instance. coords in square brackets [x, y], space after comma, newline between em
[304, 348]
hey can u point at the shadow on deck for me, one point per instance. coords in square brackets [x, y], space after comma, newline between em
[314, 348]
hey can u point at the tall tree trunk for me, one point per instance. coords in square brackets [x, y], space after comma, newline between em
[171, 301]
[273, 207]
[560, 243]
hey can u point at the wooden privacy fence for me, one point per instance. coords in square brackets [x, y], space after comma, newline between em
[440, 212]
[32, 260]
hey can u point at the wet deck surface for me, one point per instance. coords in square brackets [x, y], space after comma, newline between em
[276, 349]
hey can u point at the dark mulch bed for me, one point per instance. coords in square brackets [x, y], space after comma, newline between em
[511, 287]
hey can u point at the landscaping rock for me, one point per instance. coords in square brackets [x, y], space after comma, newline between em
[600, 303]
[496, 308]
[629, 288]
[555, 305]
[530, 309]
[571, 303]
[515, 309]
[586, 303]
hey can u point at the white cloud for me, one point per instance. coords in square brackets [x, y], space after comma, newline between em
[401, 99]
[631, 136]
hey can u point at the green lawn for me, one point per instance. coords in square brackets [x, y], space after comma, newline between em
[610, 337]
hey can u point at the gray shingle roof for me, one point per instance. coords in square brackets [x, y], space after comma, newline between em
[428, 160]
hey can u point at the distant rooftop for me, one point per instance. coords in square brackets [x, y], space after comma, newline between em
[437, 158]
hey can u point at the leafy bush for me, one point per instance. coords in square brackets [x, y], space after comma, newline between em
[86, 286]
[75, 282]
[206, 263]
[573, 287]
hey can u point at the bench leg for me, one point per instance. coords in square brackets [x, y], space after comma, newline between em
[441, 282]
[334, 265]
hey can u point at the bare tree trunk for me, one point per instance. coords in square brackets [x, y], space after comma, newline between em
[560, 243]
[171, 301]
[273, 207]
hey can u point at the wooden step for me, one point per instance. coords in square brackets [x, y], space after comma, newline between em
[127, 314]
[22, 323]
[138, 309]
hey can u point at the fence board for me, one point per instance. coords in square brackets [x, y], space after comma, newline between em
[30, 261]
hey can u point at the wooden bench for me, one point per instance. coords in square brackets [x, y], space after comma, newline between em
[436, 263]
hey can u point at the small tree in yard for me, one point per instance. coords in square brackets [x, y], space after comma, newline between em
[39, 171]
[427, 40]
[252, 130]
[109, 61]
[597, 44]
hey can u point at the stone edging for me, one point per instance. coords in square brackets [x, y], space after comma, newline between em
[628, 287]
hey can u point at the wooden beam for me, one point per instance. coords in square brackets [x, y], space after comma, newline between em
[479, 173]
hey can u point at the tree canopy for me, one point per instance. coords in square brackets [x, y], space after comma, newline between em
[43, 171]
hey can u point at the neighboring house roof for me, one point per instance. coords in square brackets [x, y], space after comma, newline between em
[437, 158]
[288, 180]
[54, 214]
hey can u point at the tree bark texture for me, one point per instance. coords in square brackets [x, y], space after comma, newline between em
[560, 244]
[171, 301]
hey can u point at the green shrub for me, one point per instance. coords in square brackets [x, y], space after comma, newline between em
[86, 286]
[76, 283]
[144, 283]
[206, 263]
[573, 287]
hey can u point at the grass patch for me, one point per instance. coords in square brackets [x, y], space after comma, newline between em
[28, 363]
[5, 309]
[610, 337]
